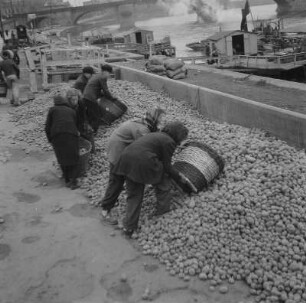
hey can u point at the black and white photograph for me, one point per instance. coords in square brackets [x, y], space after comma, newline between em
[153, 151]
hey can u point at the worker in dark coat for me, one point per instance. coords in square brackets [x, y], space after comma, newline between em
[124, 135]
[62, 132]
[82, 80]
[11, 74]
[95, 89]
[148, 161]
[74, 96]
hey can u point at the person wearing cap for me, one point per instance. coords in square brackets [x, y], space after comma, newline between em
[95, 89]
[124, 135]
[82, 80]
[148, 161]
[11, 73]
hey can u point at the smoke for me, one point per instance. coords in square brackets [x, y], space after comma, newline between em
[207, 10]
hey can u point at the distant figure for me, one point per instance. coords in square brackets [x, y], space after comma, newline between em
[11, 75]
[7, 36]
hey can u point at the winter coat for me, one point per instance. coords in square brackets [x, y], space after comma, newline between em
[95, 85]
[61, 119]
[80, 83]
[147, 159]
[8, 67]
[123, 136]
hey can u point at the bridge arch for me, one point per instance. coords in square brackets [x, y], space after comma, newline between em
[77, 16]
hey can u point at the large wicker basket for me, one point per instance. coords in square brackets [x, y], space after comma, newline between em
[111, 110]
[84, 151]
[199, 164]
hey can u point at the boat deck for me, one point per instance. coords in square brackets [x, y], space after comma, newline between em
[280, 62]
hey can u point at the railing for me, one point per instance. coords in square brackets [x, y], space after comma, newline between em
[138, 47]
[193, 59]
[57, 61]
[270, 61]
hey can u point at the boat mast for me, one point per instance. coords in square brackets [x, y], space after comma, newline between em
[251, 14]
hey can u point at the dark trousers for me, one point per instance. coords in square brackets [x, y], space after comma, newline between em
[70, 172]
[93, 114]
[135, 193]
[113, 190]
[163, 195]
[134, 199]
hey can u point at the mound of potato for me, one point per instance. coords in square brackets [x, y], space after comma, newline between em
[249, 225]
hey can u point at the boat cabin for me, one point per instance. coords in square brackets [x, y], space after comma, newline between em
[138, 36]
[231, 43]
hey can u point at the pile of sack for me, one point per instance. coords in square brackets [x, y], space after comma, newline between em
[165, 66]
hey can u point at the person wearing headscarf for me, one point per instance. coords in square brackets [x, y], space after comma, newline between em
[62, 132]
[82, 80]
[148, 161]
[11, 75]
[123, 136]
[95, 89]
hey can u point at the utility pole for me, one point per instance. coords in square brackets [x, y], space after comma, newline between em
[12, 8]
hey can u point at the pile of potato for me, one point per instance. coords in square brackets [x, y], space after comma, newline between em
[249, 225]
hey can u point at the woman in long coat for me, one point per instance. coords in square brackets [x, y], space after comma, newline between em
[123, 136]
[148, 161]
[62, 132]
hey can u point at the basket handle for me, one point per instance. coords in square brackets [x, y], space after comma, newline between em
[188, 183]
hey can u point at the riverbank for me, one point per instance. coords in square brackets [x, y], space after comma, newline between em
[283, 94]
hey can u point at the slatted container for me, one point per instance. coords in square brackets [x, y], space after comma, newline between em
[199, 164]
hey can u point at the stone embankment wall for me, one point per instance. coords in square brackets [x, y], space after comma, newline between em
[283, 124]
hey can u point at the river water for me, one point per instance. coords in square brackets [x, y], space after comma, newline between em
[185, 28]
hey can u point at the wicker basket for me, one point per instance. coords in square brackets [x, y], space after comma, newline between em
[85, 148]
[199, 164]
[111, 110]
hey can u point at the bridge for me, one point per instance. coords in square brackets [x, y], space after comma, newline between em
[122, 12]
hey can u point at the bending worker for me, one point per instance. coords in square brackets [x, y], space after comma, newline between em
[148, 161]
[97, 88]
[123, 136]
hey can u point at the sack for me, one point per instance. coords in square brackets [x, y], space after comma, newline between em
[157, 60]
[172, 73]
[181, 75]
[161, 73]
[156, 68]
[173, 64]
